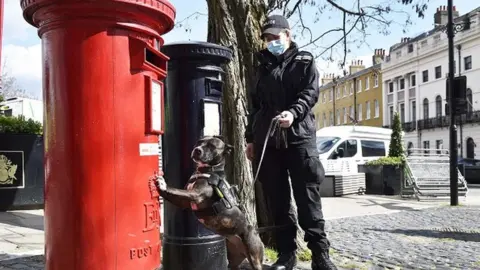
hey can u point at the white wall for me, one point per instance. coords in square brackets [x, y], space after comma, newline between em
[29, 108]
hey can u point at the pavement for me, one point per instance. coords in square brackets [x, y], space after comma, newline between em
[366, 232]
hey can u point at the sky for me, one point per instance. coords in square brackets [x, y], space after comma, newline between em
[21, 54]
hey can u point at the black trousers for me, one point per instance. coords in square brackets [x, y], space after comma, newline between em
[306, 172]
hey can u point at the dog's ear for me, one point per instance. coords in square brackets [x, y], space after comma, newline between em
[228, 149]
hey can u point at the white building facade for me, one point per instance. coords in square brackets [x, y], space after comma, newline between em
[414, 77]
[30, 108]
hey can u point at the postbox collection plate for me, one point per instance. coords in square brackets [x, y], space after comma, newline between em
[154, 106]
[211, 118]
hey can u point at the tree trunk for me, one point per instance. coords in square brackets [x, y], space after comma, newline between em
[237, 24]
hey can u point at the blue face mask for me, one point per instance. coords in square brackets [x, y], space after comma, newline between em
[276, 47]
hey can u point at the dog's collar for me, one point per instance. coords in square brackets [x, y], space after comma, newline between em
[214, 168]
[198, 175]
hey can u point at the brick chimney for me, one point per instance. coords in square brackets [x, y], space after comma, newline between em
[441, 15]
[327, 78]
[356, 66]
[378, 56]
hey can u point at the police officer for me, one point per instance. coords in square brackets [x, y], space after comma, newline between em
[287, 85]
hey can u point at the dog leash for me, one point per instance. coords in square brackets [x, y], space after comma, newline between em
[274, 125]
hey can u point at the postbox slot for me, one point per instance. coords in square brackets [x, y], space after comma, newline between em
[213, 87]
[155, 58]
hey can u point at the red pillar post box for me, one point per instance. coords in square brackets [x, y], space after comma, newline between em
[102, 92]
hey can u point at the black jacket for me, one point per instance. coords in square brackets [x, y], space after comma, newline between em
[286, 82]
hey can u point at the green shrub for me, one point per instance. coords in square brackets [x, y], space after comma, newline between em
[396, 147]
[395, 161]
[19, 125]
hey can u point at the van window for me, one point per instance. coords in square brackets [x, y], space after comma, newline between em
[349, 148]
[324, 144]
[373, 148]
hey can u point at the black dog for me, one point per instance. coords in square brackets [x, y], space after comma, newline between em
[214, 203]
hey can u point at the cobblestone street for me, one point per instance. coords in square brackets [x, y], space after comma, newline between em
[435, 238]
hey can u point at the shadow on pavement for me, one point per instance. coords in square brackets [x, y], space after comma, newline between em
[22, 219]
[389, 205]
[24, 263]
[439, 234]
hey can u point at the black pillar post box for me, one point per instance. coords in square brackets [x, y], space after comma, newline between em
[193, 109]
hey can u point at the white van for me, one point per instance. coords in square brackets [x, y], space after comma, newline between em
[352, 144]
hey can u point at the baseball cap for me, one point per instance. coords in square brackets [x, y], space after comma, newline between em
[274, 25]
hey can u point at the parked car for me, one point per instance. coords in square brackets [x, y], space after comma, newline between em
[470, 168]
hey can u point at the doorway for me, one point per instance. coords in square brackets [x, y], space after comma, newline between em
[470, 148]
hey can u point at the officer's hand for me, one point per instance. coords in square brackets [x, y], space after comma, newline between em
[162, 185]
[250, 152]
[286, 119]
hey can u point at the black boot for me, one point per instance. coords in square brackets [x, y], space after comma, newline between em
[286, 261]
[321, 261]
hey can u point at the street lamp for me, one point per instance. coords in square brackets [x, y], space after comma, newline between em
[456, 90]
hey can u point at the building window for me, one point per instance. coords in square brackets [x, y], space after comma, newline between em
[439, 146]
[467, 62]
[469, 100]
[436, 39]
[367, 108]
[324, 120]
[360, 112]
[351, 88]
[402, 113]
[413, 80]
[414, 111]
[402, 84]
[438, 106]
[324, 98]
[375, 80]
[345, 115]
[359, 86]
[410, 48]
[339, 94]
[367, 83]
[338, 117]
[377, 108]
[352, 113]
[425, 108]
[390, 115]
[399, 54]
[345, 92]
[331, 119]
[438, 72]
[425, 75]
[390, 87]
[424, 43]
[426, 146]
[331, 95]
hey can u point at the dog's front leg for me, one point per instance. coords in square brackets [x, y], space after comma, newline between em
[180, 197]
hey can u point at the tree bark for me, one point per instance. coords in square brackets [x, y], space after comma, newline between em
[237, 24]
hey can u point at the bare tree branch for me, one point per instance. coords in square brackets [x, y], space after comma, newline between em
[355, 26]
[359, 20]
[9, 87]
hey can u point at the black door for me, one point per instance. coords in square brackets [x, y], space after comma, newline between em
[470, 148]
